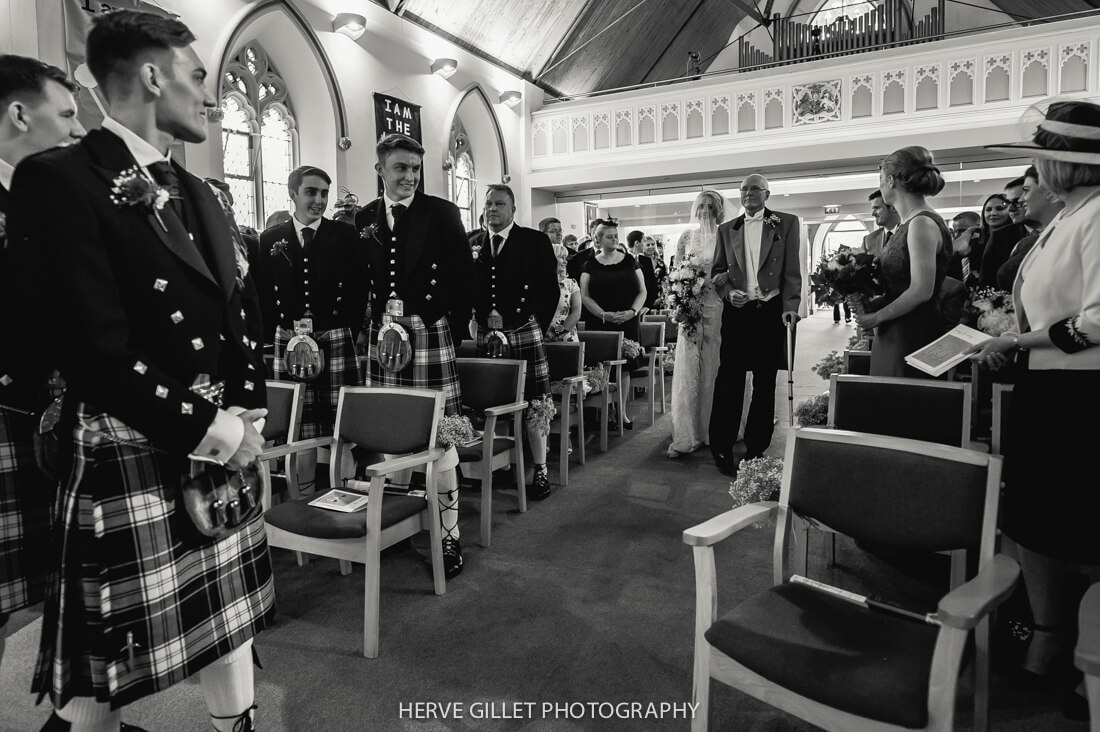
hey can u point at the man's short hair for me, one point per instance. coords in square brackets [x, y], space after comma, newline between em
[875, 194]
[120, 38]
[594, 224]
[568, 237]
[294, 182]
[396, 141]
[1015, 183]
[544, 225]
[633, 237]
[500, 188]
[1032, 173]
[22, 75]
[971, 218]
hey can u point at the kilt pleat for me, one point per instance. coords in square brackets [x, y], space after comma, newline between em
[26, 496]
[525, 342]
[143, 600]
[433, 364]
[323, 393]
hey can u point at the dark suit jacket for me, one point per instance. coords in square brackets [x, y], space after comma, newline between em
[139, 309]
[1006, 275]
[576, 263]
[649, 276]
[434, 267]
[873, 242]
[953, 296]
[338, 278]
[526, 279]
[997, 251]
[779, 264]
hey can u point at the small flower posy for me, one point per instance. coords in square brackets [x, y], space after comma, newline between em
[475, 251]
[773, 221]
[3, 230]
[279, 247]
[133, 188]
[368, 232]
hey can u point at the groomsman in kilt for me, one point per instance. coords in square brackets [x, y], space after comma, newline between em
[39, 112]
[421, 275]
[147, 286]
[515, 295]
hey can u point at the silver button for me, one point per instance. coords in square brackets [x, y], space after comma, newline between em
[435, 266]
[140, 367]
[197, 344]
[5, 380]
[187, 408]
[427, 297]
[177, 317]
[433, 282]
[249, 386]
[160, 285]
[162, 391]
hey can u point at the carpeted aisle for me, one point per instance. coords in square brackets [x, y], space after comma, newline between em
[588, 597]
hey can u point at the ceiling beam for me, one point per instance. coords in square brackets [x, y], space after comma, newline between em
[566, 37]
[660, 56]
[397, 6]
[768, 8]
[750, 9]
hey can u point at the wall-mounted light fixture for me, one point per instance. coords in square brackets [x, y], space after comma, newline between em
[511, 98]
[445, 67]
[351, 25]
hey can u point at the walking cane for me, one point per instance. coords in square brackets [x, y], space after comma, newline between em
[790, 372]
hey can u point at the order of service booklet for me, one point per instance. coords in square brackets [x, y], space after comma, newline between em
[338, 500]
[948, 350]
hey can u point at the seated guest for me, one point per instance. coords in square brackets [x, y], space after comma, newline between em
[564, 325]
[1040, 207]
[967, 245]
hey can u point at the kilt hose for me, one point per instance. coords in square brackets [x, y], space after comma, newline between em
[433, 362]
[142, 600]
[323, 393]
[26, 498]
[525, 342]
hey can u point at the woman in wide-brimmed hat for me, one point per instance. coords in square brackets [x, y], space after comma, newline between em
[1050, 503]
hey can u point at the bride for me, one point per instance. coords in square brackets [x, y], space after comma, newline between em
[696, 362]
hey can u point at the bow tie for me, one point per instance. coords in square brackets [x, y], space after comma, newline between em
[758, 217]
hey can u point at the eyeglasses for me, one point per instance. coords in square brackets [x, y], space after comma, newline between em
[753, 189]
[1014, 202]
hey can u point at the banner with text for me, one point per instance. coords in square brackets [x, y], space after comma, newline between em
[396, 115]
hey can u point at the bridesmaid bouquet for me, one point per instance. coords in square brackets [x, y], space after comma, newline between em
[759, 479]
[845, 275]
[688, 284]
[996, 313]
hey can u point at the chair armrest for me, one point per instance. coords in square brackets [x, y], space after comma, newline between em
[505, 409]
[1087, 654]
[660, 349]
[573, 379]
[616, 362]
[729, 523]
[965, 606]
[290, 448]
[404, 462]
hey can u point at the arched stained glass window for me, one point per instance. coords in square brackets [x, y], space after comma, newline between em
[462, 182]
[259, 139]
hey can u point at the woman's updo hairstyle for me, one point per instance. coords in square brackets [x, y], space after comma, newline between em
[915, 169]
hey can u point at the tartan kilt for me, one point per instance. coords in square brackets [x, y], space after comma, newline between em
[525, 342]
[433, 364]
[323, 393]
[26, 497]
[142, 600]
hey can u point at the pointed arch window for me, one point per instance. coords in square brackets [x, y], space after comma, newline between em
[831, 10]
[259, 138]
[461, 180]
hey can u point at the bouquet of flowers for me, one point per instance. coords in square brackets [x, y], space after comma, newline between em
[814, 411]
[631, 349]
[687, 285]
[829, 365]
[996, 313]
[844, 275]
[759, 479]
[454, 430]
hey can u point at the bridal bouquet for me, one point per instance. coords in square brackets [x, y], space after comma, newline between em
[688, 284]
[844, 275]
[996, 313]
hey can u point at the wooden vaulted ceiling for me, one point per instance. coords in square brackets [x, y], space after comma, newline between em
[572, 47]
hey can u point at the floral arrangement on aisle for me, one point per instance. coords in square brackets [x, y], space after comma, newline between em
[859, 342]
[831, 364]
[540, 412]
[687, 285]
[814, 412]
[454, 430]
[596, 379]
[759, 479]
[996, 312]
[845, 275]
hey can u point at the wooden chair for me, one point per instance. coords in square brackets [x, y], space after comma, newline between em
[493, 389]
[566, 364]
[652, 338]
[917, 409]
[836, 663]
[1086, 656]
[672, 330]
[399, 422]
[857, 362]
[1002, 400]
[606, 347]
[285, 400]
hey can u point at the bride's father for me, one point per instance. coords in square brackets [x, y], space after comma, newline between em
[756, 273]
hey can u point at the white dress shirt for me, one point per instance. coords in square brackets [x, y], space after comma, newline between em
[503, 234]
[754, 232]
[390, 204]
[6, 172]
[298, 226]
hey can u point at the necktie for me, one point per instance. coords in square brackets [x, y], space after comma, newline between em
[398, 210]
[165, 175]
[966, 268]
[497, 241]
[886, 237]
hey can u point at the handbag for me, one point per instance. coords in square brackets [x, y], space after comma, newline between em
[221, 501]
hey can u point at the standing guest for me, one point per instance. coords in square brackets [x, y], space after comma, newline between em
[585, 251]
[1041, 206]
[277, 217]
[697, 355]
[886, 219]
[1055, 399]
[612, 286]
[552, 228]
[967, 244]
[564, 325]
[421, 272]
[757, 274]
[154, 305]
[569, 241]
[516, 294]
[39, 112]
[312, 282]
[911, 266]
[660, 269]
[248, 234]
[636, 247]
[1003, 239]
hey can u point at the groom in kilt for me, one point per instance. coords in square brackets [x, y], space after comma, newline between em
[516, 294]
[149, 291]
[39, 113]
[421, 275]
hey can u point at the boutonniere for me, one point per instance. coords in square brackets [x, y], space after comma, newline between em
[475, 250]
[133, 188]
[772, 220]
[368, 232]
[279, 247]
[3, 231]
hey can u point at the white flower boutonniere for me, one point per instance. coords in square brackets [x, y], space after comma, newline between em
[368, 232]
[475, 251]
[3, 231]
[279, 247]
[133, 188]
[773, 221]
